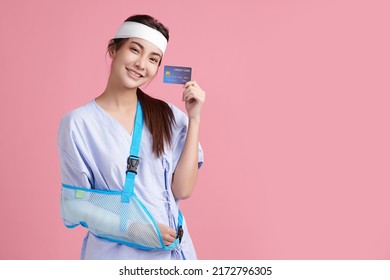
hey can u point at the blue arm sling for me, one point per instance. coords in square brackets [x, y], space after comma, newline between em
[117, 216]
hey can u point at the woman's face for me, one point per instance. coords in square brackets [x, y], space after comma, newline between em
[135, 63]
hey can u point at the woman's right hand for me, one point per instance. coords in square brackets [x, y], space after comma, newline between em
[167, 233]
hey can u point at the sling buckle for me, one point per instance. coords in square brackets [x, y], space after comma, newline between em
[180, 233]
[132, 164]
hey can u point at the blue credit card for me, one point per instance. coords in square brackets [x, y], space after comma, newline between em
[177, 74]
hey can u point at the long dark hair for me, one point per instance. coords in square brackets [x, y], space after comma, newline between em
[158, 116]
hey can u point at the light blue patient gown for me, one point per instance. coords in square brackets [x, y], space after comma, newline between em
[94, 148]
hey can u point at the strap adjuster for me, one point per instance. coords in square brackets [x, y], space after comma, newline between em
[180, 233]
[132, 164]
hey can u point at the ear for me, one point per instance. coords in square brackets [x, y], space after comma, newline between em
[111, 49]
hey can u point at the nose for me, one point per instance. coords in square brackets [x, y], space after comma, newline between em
[140, 62]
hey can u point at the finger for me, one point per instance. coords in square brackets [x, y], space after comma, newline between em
[168, 234]
[166, 229]
[194, 90]
[190, 88]
[172, 232]
[191, 98]
[193, 86]
[191, 83]
[167, 243]
[187, 84]
[186, 95]
[198, 96]
[187, 92]
[169, 239]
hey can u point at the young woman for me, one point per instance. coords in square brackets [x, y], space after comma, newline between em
[94, 143]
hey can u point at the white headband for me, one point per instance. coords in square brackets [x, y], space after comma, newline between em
[131, 29]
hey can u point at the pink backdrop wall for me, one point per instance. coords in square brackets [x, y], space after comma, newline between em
[295, 127]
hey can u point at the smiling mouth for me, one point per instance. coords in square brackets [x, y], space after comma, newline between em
[133, 73]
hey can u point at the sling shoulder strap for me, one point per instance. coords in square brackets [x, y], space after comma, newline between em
[133, 159]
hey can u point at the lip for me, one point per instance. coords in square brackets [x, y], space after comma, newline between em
[134, 74]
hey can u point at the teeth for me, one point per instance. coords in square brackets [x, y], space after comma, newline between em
[134, 73]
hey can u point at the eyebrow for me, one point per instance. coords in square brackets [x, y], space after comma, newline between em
[142, 47]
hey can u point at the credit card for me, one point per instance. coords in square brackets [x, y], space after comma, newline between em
[177, 74]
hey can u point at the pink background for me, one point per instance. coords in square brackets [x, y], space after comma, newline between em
[295, 127]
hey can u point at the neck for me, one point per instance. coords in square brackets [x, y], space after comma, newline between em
[114, 98]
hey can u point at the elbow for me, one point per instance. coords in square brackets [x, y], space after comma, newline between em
[183, 190]
[183, 186]
[182, 194]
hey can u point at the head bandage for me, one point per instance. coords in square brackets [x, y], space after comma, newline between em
[131, 29]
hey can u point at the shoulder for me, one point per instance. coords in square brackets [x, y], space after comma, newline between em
[162, 109]
[181, 118]
[76, 123]
[78, 117]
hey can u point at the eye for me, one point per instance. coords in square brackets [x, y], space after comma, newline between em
[134, 50]
[154, 60]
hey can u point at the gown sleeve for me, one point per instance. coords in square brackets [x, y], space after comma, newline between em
[179, 137]
[76, 172]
